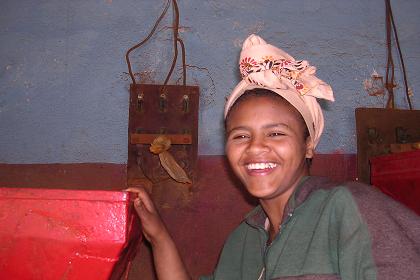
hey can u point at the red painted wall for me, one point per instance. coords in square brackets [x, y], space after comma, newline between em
[218, 202]
[64, 176]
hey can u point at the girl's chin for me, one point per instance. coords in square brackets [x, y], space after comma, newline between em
[258, 192]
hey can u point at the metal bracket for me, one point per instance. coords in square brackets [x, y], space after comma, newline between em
[171, 111]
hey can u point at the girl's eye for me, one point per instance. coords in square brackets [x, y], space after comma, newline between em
[239, 137]
[275, 134]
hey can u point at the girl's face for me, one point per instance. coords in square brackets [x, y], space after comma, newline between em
[266, 147]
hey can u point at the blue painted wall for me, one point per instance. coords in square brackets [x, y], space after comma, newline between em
[64, 83]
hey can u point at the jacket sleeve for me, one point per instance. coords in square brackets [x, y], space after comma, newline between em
[208, 277]
[394, 232]
[355, 259]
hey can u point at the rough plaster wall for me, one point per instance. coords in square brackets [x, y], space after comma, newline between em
[64, 83]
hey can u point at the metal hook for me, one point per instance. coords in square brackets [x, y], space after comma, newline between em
[140, 102]
[163, 103]
[185, 104]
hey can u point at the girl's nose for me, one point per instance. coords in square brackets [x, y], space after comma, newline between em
[257, 146]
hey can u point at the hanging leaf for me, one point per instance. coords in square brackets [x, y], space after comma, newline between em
[160, 144]
[172, 167]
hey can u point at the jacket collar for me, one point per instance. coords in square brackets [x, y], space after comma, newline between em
[307, 185]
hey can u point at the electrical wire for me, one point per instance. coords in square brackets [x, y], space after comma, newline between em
[175, 27]
[401, 57]
[390, 81]
[176, 40]
[184, 65]
[127, 58]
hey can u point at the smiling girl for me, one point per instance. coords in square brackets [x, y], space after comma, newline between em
[268, 145]
[304, 227]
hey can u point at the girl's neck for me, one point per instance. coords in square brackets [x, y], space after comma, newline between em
[274, 208]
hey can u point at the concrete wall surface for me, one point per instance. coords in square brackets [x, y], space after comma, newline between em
[64, 82]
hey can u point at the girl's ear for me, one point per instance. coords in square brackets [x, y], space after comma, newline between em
[309, 147]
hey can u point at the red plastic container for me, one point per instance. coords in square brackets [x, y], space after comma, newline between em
[398, 175]
[66, 234]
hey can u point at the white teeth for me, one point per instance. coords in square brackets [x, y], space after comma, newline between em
[261, 165]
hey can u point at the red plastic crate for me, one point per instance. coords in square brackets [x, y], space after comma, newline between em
[65, 234]
[398, 175]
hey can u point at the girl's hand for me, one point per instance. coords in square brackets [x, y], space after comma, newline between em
[152, 225]
[168, 262]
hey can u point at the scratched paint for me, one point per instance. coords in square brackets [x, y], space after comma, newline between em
[64, 87]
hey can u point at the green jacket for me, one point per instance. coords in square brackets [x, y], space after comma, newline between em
[328, 232]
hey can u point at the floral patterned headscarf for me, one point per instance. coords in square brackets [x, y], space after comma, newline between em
[265, 66]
